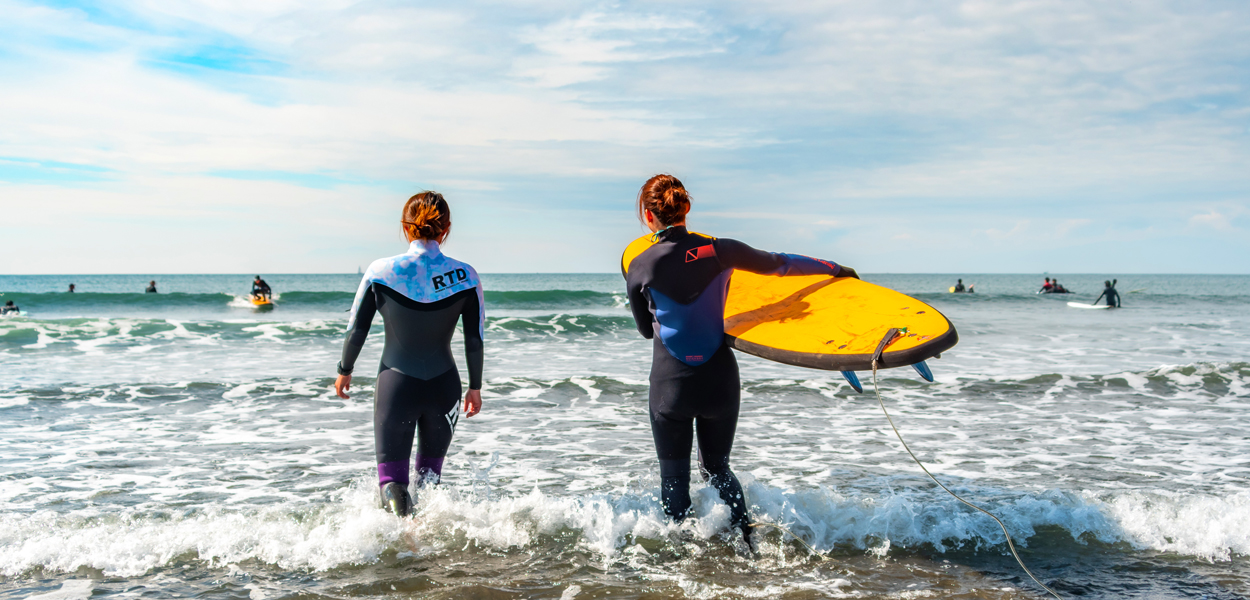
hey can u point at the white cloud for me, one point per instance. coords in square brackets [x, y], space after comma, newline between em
[1222, 220]
[583, 48]
[853, 119]
[1020, 228]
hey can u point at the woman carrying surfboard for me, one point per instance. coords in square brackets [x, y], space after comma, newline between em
[677, 284]
[421, 294]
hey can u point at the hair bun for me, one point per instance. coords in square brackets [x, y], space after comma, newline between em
[666, 198]
[427, 216]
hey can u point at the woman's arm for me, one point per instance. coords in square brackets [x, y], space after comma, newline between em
[357, 330]
[473, 316]
[737, 255]
[639, 306]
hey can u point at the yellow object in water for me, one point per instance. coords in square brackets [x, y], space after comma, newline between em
[825, 322]
[952, 290]
[262, 302]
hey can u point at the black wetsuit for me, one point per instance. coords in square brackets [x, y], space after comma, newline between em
[677, 293]
[260, 288]
[421, 295]
[1113, 297]
[9, 308]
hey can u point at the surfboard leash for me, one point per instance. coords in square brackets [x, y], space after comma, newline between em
[877, 389]
[810, 549]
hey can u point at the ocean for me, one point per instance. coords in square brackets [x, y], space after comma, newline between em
[182, 444]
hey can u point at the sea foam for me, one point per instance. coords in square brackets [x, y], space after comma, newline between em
[350, 529]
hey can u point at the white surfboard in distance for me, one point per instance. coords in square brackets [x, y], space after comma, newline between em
[1093, 306]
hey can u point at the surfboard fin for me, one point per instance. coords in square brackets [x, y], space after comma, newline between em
[853, 379]
[923, 368]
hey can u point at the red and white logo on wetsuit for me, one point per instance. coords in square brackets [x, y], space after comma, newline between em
[694, 254]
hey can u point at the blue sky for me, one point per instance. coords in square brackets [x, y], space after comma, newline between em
[282, 136]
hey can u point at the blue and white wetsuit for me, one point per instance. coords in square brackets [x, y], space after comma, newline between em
[421, 294]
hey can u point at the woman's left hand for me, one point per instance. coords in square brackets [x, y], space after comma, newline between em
[342, 384]
[472, 403]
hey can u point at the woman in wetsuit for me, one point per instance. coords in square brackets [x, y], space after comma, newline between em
[677, 290]
[421, 294]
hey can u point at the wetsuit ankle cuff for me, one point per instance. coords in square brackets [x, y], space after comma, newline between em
[396, 471]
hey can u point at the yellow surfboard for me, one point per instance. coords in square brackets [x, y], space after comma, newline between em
[262, 303]
[824, 322]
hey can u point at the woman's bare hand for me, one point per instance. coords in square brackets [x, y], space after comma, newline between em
[472, 403]
[344, 383]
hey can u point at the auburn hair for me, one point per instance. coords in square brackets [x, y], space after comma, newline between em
[427, 217]
[665, 197]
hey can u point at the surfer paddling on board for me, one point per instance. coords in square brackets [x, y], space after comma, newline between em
[677, 292]
[421, 294]
[1112, 296]
[1047, 287]
[10, 307]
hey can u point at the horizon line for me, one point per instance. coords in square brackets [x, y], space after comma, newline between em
[953, 273]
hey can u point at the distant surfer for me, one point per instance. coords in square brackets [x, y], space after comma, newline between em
[151, 287]
[10, 308]
[1047, 287]
[421, 294]
[71, 289]
[959, 287]
[1056, 288]
[676, 292]
[1108, 292]
[260, 289]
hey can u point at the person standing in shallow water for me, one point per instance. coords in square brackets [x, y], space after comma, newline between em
[676, 291]
[1112, 296]
[421, 294]
[151, 287]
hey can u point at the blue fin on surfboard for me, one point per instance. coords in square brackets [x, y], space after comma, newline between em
[853, 379]
[924, 371]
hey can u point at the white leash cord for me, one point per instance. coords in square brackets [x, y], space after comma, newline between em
[1010, 545]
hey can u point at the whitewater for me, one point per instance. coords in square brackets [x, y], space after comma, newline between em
[183, 444]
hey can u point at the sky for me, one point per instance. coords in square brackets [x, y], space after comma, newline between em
[232, 136]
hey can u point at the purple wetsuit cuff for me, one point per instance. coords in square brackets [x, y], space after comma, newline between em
[396, 470]
[429, 464]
